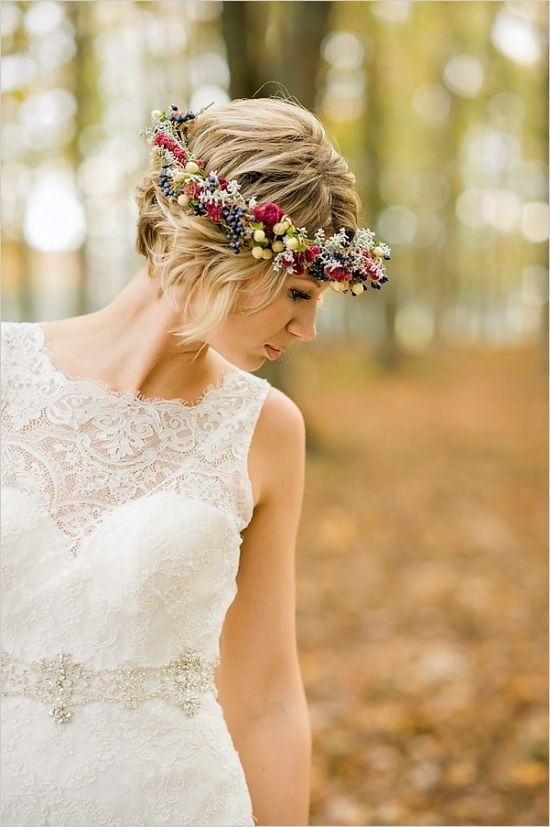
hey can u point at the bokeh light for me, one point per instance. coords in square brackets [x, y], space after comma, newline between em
[398, 224]
[464, 75]
[516, 38]
[43, 17]
[343, 50]
[535, 221]
[432, 102]
[54, 219]
[392, 11]
[207, 94]
[47, 119]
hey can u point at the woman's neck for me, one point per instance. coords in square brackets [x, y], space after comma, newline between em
[128, 345]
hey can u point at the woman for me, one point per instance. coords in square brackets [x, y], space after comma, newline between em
[152, 490]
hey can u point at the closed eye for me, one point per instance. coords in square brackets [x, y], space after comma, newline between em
[296, 295]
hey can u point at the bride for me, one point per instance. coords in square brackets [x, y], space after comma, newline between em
[152, 488]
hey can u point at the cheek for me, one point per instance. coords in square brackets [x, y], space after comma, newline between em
[237, 333]
[262, 324]
[253, 330]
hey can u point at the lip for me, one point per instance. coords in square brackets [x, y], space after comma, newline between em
[273, 352]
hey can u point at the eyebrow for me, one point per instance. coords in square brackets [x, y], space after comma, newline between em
[310, 281]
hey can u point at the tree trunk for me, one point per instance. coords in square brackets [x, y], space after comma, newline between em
[85, 91]
[380, 69]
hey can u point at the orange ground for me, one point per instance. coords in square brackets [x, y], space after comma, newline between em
[422, 588]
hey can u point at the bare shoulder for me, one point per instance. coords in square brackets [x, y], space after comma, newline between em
[281, 428]
[280, 416]
[278, 446]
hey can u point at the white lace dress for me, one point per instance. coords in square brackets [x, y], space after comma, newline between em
[121, 521]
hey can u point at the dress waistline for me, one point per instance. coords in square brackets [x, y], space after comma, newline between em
[66, 684]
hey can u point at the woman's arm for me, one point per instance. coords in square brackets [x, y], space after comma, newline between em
[259, 683]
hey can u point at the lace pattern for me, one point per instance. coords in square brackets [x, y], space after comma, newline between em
[121, 521]
[73, 436]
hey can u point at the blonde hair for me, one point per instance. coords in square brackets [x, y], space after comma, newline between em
[279, 152]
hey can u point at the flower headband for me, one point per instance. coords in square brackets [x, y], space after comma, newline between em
[263, 230]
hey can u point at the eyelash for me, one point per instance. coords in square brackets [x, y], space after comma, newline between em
[296, 295]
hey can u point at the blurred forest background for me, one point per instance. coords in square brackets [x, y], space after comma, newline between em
[422, 557]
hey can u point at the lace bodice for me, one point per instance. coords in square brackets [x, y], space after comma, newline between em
[121, 521]
[92, 450]
[150, 496]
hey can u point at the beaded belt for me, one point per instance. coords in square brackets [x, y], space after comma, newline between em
[65, 683]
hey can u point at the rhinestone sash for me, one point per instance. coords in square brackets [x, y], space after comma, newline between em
[66, 684]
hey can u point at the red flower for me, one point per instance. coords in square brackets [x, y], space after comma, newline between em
[258, 213]
[269, 215]
[272, 214]
[165, 141]
[224, 183]
[299, 264]
[312, 252]
[339, 274]
[374, 268]
[192, 189]
[214, 212]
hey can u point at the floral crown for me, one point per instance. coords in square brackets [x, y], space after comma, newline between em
[264, 230]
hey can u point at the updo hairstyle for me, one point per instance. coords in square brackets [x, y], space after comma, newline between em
[279, 152]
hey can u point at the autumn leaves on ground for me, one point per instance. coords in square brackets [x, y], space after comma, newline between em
[422, 606]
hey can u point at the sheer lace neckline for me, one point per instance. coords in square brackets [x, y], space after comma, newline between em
[131, 396]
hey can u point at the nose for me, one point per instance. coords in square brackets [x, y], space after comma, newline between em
[303, 328]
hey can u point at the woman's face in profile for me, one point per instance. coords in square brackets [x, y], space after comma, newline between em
[247, 341]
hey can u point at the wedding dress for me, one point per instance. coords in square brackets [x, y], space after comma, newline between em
[121, 521]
